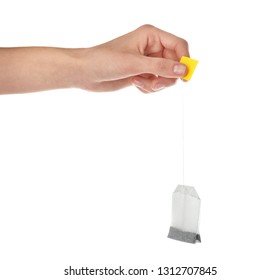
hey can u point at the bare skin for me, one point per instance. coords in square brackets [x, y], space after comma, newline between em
[147, 58]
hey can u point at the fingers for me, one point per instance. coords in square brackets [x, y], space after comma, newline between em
[172, 42]
[152, 84]
[164, 40]
[159, 57]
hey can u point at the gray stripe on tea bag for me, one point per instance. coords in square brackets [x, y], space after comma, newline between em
[184, 236]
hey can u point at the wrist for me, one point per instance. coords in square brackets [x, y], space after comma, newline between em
[73, 68]
[85, 73]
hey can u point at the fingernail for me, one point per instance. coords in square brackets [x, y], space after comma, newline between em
[137, 83]
[180, 69]
[157, 87]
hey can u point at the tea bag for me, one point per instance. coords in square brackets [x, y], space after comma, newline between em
[185, 200]
[185, 215]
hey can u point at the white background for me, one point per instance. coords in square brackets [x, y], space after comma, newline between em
[86, 179]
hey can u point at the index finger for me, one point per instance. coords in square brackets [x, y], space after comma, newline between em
[174, 43]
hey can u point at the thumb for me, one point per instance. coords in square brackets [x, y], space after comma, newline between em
[162, 67]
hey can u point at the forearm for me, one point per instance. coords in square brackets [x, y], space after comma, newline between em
[38, 68]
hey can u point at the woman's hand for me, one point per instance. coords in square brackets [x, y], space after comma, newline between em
[147, 58]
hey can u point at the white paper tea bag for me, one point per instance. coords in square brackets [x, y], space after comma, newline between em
[185, 215]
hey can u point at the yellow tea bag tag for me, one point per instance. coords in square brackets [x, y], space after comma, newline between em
[191, 64]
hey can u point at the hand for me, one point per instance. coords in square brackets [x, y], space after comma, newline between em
[147, 58]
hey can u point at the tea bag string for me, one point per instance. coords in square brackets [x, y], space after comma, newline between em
[183, 137]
